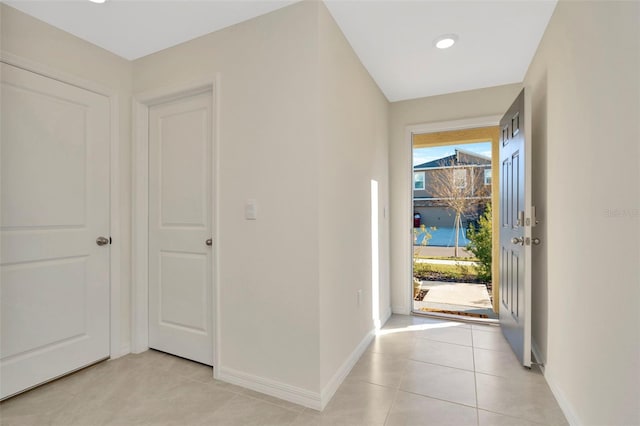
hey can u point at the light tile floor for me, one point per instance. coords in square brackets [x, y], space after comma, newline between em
[418, 371]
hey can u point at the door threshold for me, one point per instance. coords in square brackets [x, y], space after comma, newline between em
[459, 318]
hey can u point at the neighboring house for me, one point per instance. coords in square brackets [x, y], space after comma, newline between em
[469, 167]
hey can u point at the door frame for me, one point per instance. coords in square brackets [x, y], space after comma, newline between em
[440, 126]
[140, 201]
[116, 348]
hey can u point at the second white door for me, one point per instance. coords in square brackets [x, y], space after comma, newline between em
[180, 227]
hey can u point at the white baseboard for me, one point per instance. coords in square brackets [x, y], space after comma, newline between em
[563, 402]
[385, 316]
[537, 354]
[304, 397]
[565, 406]
[271, 387]
[330, 389]
[401, 310]
[124, 350]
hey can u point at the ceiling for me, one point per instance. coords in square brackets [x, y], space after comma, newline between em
[393, 38]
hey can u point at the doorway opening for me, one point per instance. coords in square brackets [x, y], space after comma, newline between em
[453, 223]
[183, 206]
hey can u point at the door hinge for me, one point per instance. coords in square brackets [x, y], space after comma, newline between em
[110, 240]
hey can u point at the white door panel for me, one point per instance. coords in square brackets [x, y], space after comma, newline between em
[55, 201]
[180, 198]
[515, 230]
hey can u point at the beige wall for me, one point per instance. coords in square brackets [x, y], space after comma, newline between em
[352, 152]
[455, 106]
[50, 49]
[586, 93]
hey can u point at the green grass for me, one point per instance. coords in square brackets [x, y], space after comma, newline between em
[459, 273]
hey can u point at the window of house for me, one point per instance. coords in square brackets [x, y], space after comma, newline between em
[487, 176]
[418, 181]
[460, 177]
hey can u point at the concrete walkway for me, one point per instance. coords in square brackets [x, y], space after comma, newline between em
[472, 299]
[447, 262]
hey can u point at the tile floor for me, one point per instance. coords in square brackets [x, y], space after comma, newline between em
[418, 371]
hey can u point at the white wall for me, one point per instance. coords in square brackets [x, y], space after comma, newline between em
[303, 131]
[455, 106]
[352, 152]
[586, 93]
[48, 48]
[268, 268]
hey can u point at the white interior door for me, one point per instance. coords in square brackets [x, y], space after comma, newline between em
[515, 230]
[180, 218]
[54, 285]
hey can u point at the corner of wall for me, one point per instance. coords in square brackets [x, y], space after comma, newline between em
[271, 387]
[334, 383]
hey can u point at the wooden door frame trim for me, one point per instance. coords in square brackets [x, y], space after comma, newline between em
[140, 201]
[116, 349]
[442, 126]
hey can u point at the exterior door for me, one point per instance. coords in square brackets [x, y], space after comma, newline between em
[180, 218]
[515, 230]
[55, 202]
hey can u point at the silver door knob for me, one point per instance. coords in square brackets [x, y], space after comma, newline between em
[516, 240]
[535, 241]
[101, 241]
[209, 242]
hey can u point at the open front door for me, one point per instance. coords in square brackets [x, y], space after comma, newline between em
[515, 230]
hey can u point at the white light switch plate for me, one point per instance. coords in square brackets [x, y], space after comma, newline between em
[250, 210]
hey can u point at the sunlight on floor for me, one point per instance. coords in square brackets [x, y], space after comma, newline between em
[416, 327]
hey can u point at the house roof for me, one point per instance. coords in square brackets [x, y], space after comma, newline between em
[460, 158]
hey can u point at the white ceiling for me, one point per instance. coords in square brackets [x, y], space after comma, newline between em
[393, 38]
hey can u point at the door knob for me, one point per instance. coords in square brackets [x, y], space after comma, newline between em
[209, 242]
[517, 240]
[101, 241]
[535, 241]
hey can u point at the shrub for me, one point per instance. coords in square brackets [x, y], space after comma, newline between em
[480, 244]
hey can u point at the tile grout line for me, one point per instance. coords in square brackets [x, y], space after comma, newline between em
[436, 398]
[475, 378]
[511, 416]
[449, 343]
[407, 359]
[393, 402]
[442, 365]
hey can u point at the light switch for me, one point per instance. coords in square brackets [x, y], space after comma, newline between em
[250, 210]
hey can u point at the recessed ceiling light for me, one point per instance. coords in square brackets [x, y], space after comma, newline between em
[97, 1]
[445, 41]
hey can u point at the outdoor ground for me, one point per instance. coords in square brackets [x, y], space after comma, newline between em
[433, 251]
[454, 298]
[441, 293]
